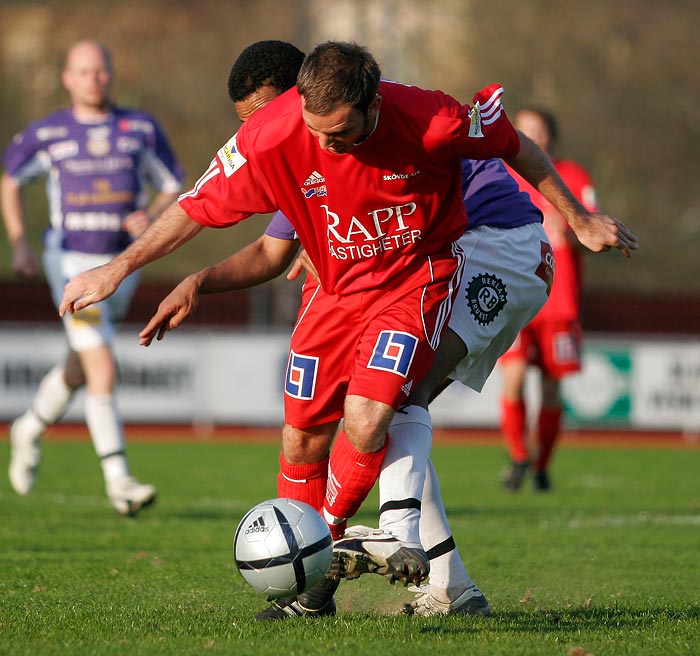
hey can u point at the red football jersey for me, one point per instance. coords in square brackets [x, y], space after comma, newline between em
[564, 299]
[369, 216]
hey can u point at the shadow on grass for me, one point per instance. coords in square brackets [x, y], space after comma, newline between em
[566, 621]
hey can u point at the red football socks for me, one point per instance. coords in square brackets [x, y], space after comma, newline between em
[351, 476]
[305, 483]
[548, 428]
[513, 417]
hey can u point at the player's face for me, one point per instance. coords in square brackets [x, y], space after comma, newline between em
[88, 77]
[250, 104]
[339, 131]
[533, 126]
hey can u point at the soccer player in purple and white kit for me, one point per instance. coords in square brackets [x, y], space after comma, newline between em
[99, 160]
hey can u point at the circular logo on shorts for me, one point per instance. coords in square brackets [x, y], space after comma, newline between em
[486, 297]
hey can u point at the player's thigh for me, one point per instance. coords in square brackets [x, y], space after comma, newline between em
[451, 351]
[321, 359]
[401, 335]
[505, 283]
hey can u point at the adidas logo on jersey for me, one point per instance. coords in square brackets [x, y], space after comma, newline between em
[258, 526]
[314, 179]
[406, 389]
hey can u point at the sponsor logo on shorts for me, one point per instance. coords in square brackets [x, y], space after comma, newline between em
[566, 348]
[90, 316]
[300, 380]
[393, 352]
[545, 269]
[486, 297]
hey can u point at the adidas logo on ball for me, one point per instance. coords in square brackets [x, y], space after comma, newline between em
[285, 550]
[258, 526]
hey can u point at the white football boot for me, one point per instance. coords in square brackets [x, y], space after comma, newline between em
[128, 496]
[364, 550]
[24, 459]
[471, 602]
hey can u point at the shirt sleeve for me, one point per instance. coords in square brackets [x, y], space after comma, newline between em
[25, 158]
[230, 190]
[280, 228]
[482, 131]
[161, 166]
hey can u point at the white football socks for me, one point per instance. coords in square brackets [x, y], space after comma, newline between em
[402, 476]
[448, 576]
[107, 435]
[49, 404]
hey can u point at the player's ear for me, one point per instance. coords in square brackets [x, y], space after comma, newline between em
[66, 79]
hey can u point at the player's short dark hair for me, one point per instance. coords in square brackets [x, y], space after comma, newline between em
[548, 118]
[338, 73]
[264, 63]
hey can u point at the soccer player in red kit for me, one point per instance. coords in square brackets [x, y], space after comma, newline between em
[552, 340]
[369, 174]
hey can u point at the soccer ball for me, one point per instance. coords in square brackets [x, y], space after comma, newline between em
[282, 547]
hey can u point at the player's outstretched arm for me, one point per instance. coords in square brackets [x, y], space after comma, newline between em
[254, 264]
[597, 232]
[171, 230]
[174, 308]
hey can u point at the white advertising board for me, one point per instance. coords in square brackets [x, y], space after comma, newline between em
[235, 377]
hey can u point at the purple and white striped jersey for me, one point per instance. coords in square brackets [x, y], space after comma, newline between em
[492, 198]
[97, 172]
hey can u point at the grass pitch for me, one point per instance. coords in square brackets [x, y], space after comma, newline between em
[608, 563]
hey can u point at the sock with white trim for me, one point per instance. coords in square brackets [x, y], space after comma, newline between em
[49, 404]
[402, 477]
[107, 433]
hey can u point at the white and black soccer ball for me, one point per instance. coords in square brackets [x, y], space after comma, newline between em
[282, 547]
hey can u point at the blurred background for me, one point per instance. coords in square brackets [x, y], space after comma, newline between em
[620, 76]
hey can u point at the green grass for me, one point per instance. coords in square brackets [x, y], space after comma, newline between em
[608, 563]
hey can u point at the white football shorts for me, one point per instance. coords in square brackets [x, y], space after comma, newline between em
[95, 325]
[505, 283]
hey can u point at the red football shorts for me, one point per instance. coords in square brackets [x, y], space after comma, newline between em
[553, 346]
[376, 344]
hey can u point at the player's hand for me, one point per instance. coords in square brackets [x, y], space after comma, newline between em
[302, 262]
[24, 261]
[136, 223]
[172, 311]
[601, 232]
[88, 288]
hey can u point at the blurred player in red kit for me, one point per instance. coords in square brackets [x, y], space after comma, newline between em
[552, 340]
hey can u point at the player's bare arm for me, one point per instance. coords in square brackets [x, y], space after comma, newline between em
[170, 231]
[254, 264]
[597, 232]
[24, 260]
[136, 223]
